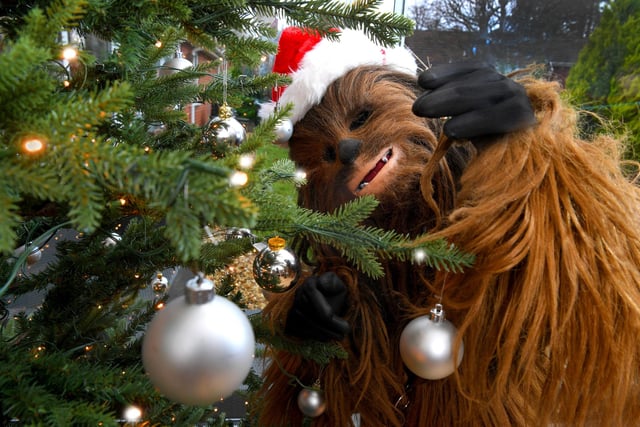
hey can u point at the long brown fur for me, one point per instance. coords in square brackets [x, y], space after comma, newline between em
[550, 311]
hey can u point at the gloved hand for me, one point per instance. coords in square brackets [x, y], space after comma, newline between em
[480, 101]
[317, 306]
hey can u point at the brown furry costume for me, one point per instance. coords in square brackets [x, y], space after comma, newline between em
[550, 311]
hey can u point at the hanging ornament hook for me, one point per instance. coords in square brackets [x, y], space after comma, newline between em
[437, 314]
[199, 290]
[225, 74]
[427, 344]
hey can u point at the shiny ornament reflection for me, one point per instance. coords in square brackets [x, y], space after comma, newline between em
[174, 65]
[426, 346]
[276, 268]
[200, 347]
[224, 129]
[283, 130]
[160, 284]
[311, 402]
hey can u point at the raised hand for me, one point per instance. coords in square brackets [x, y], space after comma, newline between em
[479, 101]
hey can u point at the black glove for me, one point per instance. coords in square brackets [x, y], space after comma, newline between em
[480, 101]
[317, 305]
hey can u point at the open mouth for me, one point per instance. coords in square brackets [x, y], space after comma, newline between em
[375, 170]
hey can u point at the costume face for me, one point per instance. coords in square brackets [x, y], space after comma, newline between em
[363, 139]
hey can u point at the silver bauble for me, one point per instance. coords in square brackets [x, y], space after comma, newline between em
[224, 129]
[160, 284]
[200, 347]
[156, 128]
[34, 256]
[276, 268]
[35, 253]
[238, 233]
[174, 65]
[283, 130]
[311, 402]
[112, 240]
[426, 346]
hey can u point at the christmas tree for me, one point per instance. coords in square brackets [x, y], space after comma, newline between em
[110, 183]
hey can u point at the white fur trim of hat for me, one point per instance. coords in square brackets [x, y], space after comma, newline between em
[327, 61]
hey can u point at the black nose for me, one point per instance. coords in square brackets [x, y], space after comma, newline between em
[348, 150]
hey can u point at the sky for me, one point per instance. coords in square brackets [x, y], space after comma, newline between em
[397, 5]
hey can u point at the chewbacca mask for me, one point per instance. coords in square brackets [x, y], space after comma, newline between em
[550, 311]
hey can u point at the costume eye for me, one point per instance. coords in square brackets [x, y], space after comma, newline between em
[360, 120]
[329, 154]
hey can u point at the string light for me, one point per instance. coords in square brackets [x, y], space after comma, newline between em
[158, 44]
[70, 53]
[238, 179]
[33, 145]
[419, 255]
[246, 161]
[132, 413]
[300, 176]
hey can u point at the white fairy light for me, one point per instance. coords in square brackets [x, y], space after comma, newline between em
[238, 179]
[300, 176]
[69, 53]
[246, 161]
[419, 255]
[132, 413]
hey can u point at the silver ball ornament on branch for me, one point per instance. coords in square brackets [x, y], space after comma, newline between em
[34, 255]
[156, 129]
[234, 233]
[427, 346]
[311, 402]
[112, 240]
[200, 347]
[160, 284]
[283, 130]
[174, 65]
[224, 129]
[276, 268]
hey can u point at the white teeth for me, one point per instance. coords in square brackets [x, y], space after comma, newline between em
[376, 169]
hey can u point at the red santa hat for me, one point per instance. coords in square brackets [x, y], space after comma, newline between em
[314, 62]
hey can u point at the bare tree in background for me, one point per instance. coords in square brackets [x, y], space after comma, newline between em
[544, 19]
[531, 19]
[427, 16]
[513, 33]
[480, 16]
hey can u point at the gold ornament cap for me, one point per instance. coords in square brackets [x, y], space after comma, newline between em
[276, 243]
[225, 111]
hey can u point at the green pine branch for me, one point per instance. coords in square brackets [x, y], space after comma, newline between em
[364, 246]
[384, 28]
